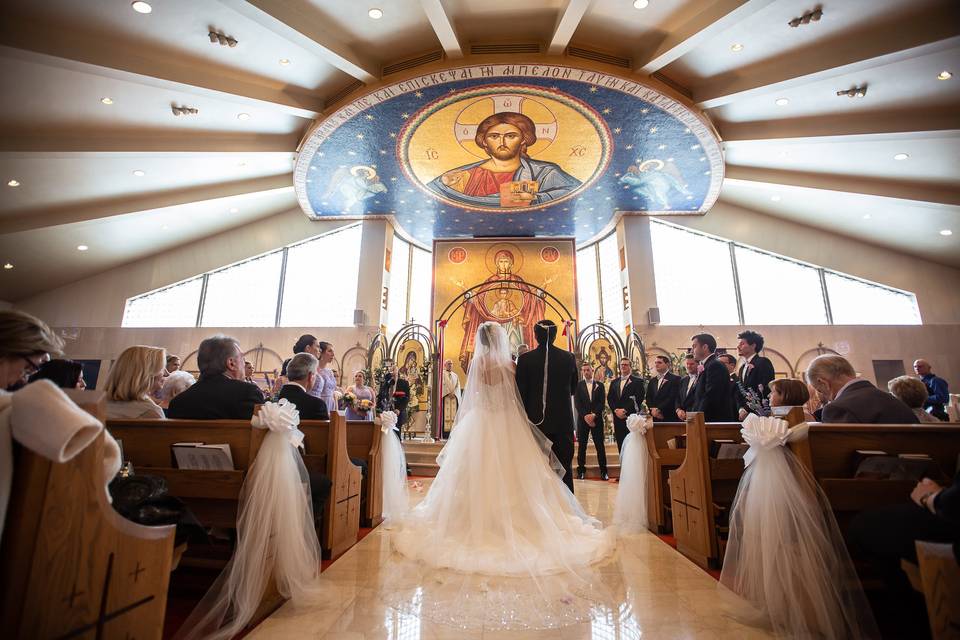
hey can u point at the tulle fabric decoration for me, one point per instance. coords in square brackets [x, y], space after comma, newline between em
[276, 537]
[497, 505]
[630, 507]
[785, 557]
[393, 462]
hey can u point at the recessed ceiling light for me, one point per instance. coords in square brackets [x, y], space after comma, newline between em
[106, 100]
[946, 232]
[901, 156]
[775, 198]
[8, 266]
[234, 210]
[284, 61]
[139, 173]
[13, 183]
[782, 102]
[243, 116]
[736, 46]
[82, 247]
[141, 7]
[375, 13]
[944, 75]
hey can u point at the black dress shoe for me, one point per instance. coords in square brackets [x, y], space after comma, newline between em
[604, 476]
[581, 474]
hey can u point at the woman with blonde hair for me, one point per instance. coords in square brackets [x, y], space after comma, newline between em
[360, 391]
[136, 376]
[913, 393]
[790, 392]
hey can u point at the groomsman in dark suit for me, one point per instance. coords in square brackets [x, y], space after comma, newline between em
[589, 399]
[731, 364]
[687, 384]
[662, 391]
[756, 372]
[712, 392]
[625, 396]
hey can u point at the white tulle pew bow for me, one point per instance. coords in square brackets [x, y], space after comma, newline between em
[767, 434]
[280, 417]
[630, 506]
[393, 462]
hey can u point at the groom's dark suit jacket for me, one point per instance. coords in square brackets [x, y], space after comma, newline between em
[562, 383]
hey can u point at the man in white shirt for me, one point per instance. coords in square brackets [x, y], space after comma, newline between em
[662, 391]
[588, 400]
[625, 396]
[687, 383]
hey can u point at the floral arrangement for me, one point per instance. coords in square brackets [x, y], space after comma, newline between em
[349, 398]
[755, 400]
[364, 405]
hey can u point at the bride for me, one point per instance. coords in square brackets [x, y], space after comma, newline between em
[498, 505]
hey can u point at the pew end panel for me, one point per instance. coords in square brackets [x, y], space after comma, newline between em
[364, 440]
[662, 460]
[940, 581]
[69, 563]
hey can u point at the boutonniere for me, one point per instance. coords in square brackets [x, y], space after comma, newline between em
[749, 367]
[399, 394]
[699, 369]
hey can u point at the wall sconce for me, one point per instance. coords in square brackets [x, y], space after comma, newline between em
[808, 17]
[856, 92]
[224, 40]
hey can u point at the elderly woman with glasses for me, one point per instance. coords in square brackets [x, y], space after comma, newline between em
[25, 344]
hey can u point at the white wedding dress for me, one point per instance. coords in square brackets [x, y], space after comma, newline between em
[498, 505]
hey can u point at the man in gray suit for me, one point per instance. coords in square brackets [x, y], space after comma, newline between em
[852, 399]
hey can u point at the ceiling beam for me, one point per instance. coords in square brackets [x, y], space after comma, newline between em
[852, 52]
[442, 26]
[300, 24]
[702, 26]
[74, 51]
[881, 187]
[109, 207]
[902, 123]
[567, 25]
[144, 142]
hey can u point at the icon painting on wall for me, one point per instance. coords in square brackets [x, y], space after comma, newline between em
[518, 149]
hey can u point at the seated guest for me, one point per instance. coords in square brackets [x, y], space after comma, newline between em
[173, 363]
[248, 377]
[66, 374]
[662, 391]
[134, 378]
[814, 405]
[913, 393]
[790, 392]
[938, 393]
[756, 371]
[687, 383]
[175, 384]
[25, 344]
[361, 391]
[301, 372]
[220, 393]
[852, 399]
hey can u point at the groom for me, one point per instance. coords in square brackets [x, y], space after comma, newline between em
[553, 416]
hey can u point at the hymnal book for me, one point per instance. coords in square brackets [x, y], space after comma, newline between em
[732, 450]
[677, 442]
[862, 454]
[203, 457]
[715, 446]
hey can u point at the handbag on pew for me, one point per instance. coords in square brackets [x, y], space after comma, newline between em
[144, 499]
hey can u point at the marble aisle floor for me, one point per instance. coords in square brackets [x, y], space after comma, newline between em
[649, 591]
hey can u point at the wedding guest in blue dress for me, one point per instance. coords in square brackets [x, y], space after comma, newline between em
[362, 392]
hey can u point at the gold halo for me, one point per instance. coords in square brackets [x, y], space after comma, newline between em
[512, 248]
[643, 165]
[372, 173]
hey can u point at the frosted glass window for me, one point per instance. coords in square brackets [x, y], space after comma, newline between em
[775, 290]
[854, 301]
[320, 287]
[694, 277]
[588, 288]
[421, 280]
[244, 295]
[397, 302]
[610, 282]
[174, 306]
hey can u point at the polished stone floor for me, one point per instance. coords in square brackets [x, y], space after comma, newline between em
[646, 589]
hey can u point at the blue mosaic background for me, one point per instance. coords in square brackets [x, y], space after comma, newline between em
[639, 130]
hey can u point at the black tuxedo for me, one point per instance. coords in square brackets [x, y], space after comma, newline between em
[309, 407]
[216, 397]
[629, 398]
[685, 395]
[556, 421]
[387, 401]
[712, 393]
[664, 398]
[586, 403]
[757, 376]
[862, 402]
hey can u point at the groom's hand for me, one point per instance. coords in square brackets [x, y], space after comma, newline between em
[590, 419]
[656, 413]
[621, 413]
[681, 414]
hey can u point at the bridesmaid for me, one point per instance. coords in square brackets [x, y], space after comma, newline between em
[362, 392]
[326, 384]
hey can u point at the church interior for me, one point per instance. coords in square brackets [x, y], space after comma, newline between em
[330, 202]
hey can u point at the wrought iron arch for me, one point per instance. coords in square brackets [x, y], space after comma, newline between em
[790, 368]
[637, 352]
[819, 350]
[597, 331]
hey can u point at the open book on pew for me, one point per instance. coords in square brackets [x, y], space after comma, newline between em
[727, 449]
[202, 457]
[878, 465]
[677, 442]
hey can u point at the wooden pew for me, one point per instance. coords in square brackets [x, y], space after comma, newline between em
[71, 566]
[828, 452]
[940, 582]
[662, 460]
[325, 450]
[363, 443]
[702, 489]
[212, 495]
